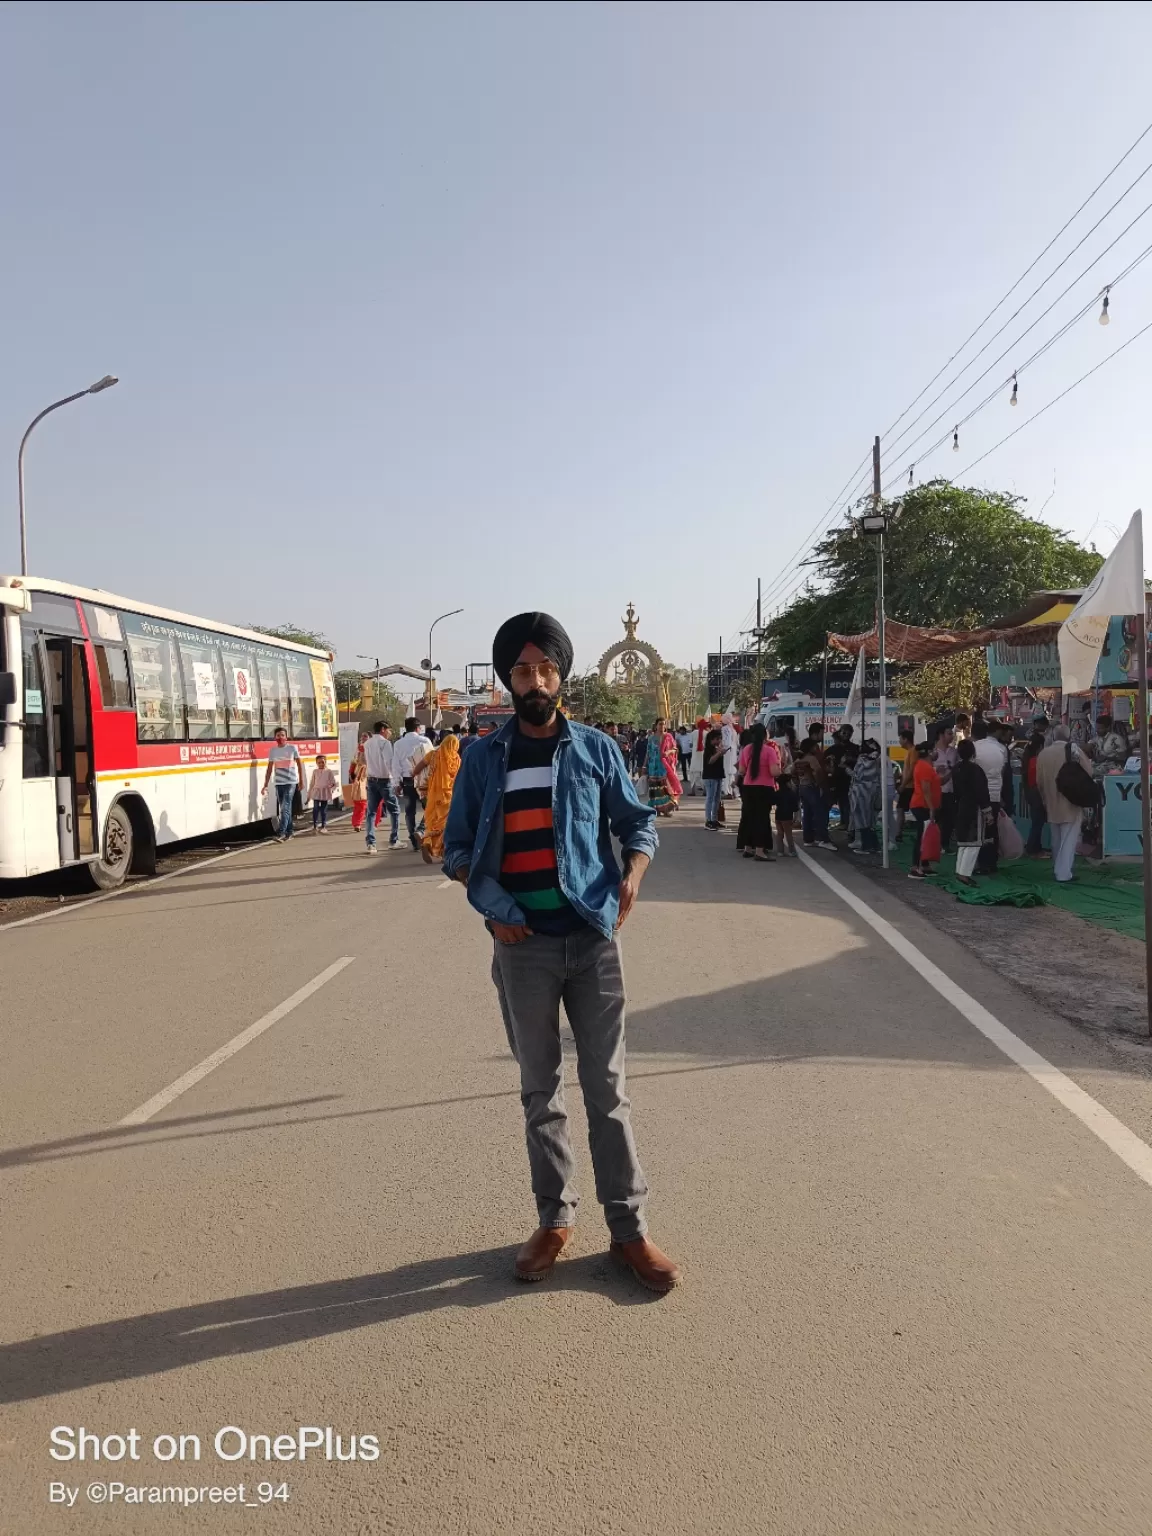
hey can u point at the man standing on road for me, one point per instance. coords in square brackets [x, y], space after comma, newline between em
[992, 756]
[378, 756]
[1064, 818]
[534, 811]
[407, 757]
[284, 761]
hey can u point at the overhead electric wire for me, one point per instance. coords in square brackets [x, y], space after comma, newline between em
[1051, 342]
[1031, 267]
[790, 579]
[1020, 309]
[1037, 414]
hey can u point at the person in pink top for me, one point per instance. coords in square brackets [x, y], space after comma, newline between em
[758, 766]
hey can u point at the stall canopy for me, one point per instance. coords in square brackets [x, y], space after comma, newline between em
[915, 644]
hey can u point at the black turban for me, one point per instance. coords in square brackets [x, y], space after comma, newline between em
[539, 629]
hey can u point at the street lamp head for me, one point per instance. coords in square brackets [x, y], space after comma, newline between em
[105, 383]
[874, 522]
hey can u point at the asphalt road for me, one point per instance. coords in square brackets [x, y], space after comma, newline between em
[916, 1286]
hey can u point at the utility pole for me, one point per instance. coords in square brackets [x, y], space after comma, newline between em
[759, 642]
[884, 806]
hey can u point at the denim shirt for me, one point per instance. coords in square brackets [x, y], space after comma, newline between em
[592, 799]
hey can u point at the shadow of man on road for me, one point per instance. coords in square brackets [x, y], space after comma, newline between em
[164, 1341]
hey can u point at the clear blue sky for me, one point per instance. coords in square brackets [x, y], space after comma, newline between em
[510, 306]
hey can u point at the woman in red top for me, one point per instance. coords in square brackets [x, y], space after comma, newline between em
[759, 764]
[926, 791]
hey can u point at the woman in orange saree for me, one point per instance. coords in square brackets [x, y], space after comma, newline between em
[445, 765]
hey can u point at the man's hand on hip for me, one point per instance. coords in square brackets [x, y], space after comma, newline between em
[511, 933]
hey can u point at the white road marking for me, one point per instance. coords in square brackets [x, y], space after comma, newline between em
[160, 1100]
[1112, 1132]
[137, 885]
[446, 885]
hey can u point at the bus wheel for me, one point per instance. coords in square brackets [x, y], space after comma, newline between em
[110, 870]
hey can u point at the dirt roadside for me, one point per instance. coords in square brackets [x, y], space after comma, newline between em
[1091, 976]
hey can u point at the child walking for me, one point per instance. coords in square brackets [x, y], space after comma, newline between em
[320, 792]
[787, 804]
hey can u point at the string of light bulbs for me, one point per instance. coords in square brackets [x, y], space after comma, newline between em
[792, 576]
[1100, 185]
[1012, 380]
[1104, 361]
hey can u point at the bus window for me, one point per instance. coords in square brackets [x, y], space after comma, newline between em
[159, 698]
[37, 761]
[241, 693]
[55, 612]
[303, 698]
[112, 668]
[203, 691]
[273, 694]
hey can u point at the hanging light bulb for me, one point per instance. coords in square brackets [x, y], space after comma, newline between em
[1012, 401]
[1104, 311]
[911, 472]
[955, 439]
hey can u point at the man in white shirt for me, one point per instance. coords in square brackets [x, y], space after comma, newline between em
[992, 756]
[409, 752]
[686, 742]
[284, 762]
[378, 761]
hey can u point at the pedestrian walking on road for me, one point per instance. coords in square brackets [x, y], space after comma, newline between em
[358, 777]
[1029, 769]
[379, 755]
[812, 778]
[659, 797]
[410, 749]
[530, 829]
[1064, 818]
[713, 778]
[864, 798]
[668, 751]
[285, 762]
[686, 745]
[970, 788]
[944, 759]
[926, 794]
[992, 756]
[443, 766]
[787, 807]
[758, 766]
[321, 792]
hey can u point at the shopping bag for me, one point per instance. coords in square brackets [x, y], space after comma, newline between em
[1011, 843]
[930, 846]
[642, 787]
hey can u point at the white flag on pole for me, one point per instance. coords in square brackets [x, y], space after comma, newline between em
[855, 693]
[1117, 588]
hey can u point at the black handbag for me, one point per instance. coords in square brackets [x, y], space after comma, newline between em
[1075, 783]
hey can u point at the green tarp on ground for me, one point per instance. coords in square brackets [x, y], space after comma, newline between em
[1110, 895]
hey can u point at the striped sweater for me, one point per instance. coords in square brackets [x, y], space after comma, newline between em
[528, 869]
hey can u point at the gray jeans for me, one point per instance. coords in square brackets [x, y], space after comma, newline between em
[584, 972]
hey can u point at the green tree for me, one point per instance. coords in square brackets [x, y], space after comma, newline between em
[954, 682]
[347, 682]
[294, 633]
[953, 553]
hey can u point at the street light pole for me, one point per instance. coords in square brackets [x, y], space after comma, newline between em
[451, 614]
[93, 389]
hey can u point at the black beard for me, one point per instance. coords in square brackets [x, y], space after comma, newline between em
[536, 707]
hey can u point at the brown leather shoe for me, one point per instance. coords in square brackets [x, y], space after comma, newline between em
[538, 1255]
[651, 1267]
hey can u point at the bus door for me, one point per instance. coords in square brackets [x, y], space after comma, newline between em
[71, 715]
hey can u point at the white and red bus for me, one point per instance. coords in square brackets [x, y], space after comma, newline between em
[125, 727]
